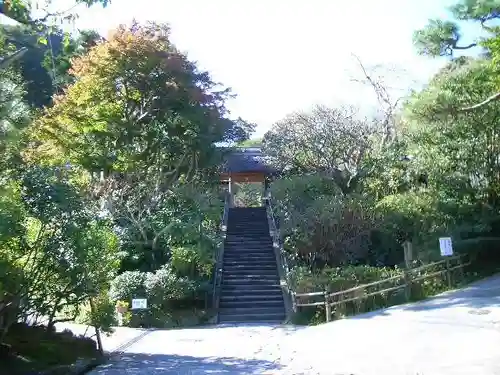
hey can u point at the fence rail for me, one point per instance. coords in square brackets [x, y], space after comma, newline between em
[404, 281]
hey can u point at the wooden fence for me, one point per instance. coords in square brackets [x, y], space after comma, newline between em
[403, 282]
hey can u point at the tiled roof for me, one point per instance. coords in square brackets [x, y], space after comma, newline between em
[246, 160]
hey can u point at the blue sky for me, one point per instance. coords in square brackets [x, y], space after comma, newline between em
[280, 56]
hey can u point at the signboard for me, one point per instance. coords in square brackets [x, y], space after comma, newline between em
[446, 246]
[139, 303]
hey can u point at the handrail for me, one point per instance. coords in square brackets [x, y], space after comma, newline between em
[284, 261]
[217, 272]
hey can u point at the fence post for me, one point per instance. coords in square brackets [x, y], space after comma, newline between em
[408, 255]
[462, 271]
[448, 272]
[328, 310]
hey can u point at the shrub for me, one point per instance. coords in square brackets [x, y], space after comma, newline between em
[164, 286]
[128, 285]
[191, 261]
[339, 278]
[342, 278]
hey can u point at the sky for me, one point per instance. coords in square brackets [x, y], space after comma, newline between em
[282, 56]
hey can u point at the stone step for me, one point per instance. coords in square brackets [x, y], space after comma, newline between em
[253, 310]
[255, 283]
[261, 222]
[231, 250]
[262, 290]
[249, 258]
[238, 259]
[249, 240]
[230, 239]
[245, 248]
[250, 304]
[255, 244]
[247, 251]
[250, 273]
[251, 276]
[252, 297]
[252, 315]
[248, 223]
[248, 245]
[247, 226]
[255, 217]
[269, 261]
[250, 267]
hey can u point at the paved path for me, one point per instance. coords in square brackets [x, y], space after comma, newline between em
[453, 334]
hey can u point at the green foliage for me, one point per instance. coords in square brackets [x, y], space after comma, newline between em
[414, 216]
[128, 285]
[441, 38]
[167, 294]
[190, 262]
[254, 142]
[164, 286]
[338, 278]
[329, 141]
[320, 225]
[102, 314]
[248, 194]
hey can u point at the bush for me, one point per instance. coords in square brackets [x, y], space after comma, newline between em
[164, 286]
[103, 316]
[484, 253]
[128, 285]
[165, 291]
[339, 278]
[321, 226]
[189, 261]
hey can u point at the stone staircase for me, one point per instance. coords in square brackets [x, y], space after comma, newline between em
[250, 290]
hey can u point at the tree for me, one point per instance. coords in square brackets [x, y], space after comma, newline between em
[333, 142]
[137, 103]
[321, 226]
[14, 117]
[142, 121]
[57, 253]
[20, 10]
[458, 150]
[443, 38]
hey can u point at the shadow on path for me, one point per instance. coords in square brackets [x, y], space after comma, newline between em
[156, 364]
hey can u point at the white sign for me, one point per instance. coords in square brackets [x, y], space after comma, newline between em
[139, 303]
[446, 246]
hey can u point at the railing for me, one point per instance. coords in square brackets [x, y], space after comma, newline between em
[217, 272]
[402, 282]
[284, 262]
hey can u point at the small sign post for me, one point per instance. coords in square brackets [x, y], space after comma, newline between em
[139, 303]
[446, 247]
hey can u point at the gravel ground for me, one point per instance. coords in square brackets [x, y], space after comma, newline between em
[452, 334]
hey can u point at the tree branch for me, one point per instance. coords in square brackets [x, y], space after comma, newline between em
[484, 102]
[465, 47]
